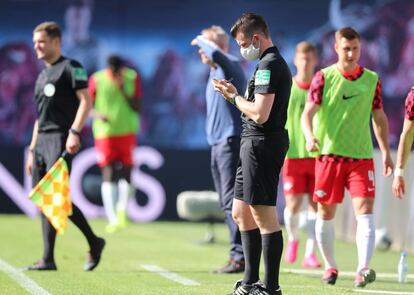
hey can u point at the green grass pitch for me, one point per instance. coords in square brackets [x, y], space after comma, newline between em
[169, 245]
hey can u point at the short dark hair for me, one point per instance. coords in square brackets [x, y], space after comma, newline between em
[248, 24]
[52, 29]
[347, 33]
[115, 63]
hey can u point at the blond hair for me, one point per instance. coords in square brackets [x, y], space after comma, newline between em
[52, 29]
[305, 47]
[219, 36]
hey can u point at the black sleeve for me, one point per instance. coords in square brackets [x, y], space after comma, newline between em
[223, 62]
[266, 77]
[232, 69]
[77, 75]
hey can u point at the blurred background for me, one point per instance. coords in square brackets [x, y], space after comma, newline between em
[154, 38]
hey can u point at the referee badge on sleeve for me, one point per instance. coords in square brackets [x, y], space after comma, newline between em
[79, 74]
[262, 77]
[49, 89]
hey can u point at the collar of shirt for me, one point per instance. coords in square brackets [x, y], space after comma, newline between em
[354, 75]
[301, 84]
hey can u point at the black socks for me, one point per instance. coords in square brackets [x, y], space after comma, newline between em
[252, 249]
[272, 253]
[49, 233]
[49, 238]
[80, 221]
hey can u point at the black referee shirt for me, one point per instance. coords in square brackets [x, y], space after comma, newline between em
[272, 75]
[55, 94]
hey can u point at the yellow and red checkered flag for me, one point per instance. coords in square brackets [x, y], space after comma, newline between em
[52, 195]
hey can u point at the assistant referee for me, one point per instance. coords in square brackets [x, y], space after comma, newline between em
[63, 104]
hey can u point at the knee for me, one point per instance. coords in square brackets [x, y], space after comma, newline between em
[365, 207]
[242, 219]
[294, 203]
[294, 208]
[326, 212]
[236, 217]
[326, 215]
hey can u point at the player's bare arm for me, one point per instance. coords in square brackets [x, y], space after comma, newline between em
[29, 161]
[312, 143]
[85, 105]
[135, 104]
[98, 116]
[404, 148]
[380, 126]
[258, 111]
[133, 101]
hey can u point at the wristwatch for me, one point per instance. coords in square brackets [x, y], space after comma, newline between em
[74, 131]
[232, 99]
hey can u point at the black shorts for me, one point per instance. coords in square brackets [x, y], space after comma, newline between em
[257, 176]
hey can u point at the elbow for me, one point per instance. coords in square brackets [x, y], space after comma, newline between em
[306, 120]
[303, 122]
[260, 119]
[88, 104]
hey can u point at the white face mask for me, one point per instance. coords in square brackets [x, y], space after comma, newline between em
[251, 52]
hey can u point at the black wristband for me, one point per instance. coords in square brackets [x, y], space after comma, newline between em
[74, 131]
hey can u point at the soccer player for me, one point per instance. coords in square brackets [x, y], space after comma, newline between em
[263, 148]
[63, 104]
[299, 167]
[223, 127]
[116, 91]
[404, 147]
[345, 95]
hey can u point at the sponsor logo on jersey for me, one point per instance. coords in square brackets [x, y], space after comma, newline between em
[288, 186]
[345, 97]
[320, 193]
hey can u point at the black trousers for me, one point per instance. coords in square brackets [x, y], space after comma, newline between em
[224, 158]
[48, 149]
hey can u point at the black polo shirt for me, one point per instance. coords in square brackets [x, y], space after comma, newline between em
[55, 94]
[272, 75]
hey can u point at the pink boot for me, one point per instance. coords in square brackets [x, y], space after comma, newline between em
[292, 251]
[311, 262]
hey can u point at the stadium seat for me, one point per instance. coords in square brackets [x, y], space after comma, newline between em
[200, 206]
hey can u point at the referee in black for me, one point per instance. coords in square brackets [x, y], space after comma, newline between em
[264, 144]
[63, 104]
